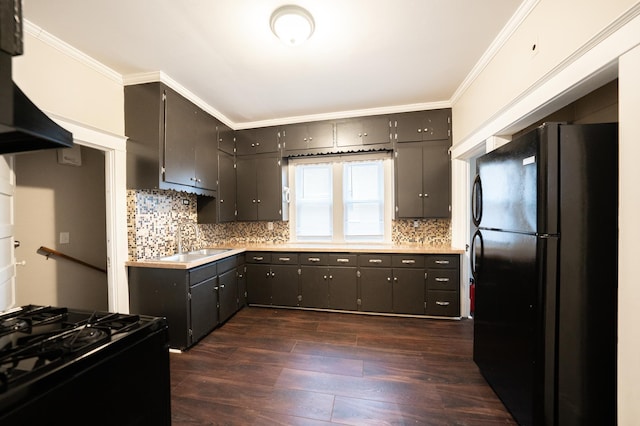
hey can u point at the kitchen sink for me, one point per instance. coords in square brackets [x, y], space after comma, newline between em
[192, 256]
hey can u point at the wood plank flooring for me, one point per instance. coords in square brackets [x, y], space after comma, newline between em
[289, 367]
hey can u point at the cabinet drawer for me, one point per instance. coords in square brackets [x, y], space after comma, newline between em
[203, 272]
[376, 260]
[314, 258]
[443, 303]
[257, 257]
[227, 264]
[443, 279]
[443, 261]
[284, 258]
[407, 261]
[343, 259]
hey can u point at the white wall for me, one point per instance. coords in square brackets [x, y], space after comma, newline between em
[67, 87]
[629, 233]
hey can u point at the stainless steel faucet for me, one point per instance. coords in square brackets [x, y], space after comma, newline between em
[180, 226]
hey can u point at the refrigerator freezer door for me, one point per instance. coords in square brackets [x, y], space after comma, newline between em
[508, 329]
[518, 184]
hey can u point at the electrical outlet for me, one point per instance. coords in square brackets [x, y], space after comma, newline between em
[270, 226]
[64, 238]
[416, 223]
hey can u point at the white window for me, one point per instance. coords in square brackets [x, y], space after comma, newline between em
[341, 199]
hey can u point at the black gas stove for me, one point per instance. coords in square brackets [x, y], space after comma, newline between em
[78, 367]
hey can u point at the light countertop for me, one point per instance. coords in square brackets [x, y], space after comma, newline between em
[297, 247]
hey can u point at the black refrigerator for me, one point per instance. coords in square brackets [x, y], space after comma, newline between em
[544, 259]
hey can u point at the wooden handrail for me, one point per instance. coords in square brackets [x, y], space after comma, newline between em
[47, 252]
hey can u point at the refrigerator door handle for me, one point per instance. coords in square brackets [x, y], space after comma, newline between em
[475, 265]
[476, 201]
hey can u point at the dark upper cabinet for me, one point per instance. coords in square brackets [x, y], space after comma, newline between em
[259, 188]
[303, 136]
[423, 180]
[371, 130]
[257, 141]
[172, 142]
[226, 188]
[422, 125]
[226, 139]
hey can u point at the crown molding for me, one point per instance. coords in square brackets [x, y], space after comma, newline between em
[53, 41]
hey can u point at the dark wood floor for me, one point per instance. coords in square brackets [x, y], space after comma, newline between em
[288, 367]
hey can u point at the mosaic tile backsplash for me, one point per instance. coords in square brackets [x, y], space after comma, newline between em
[153, 217]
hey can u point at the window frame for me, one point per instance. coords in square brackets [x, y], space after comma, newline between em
[337, 161]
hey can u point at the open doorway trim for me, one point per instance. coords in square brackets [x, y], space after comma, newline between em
[114, 148]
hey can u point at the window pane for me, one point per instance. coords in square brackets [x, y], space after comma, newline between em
[314, 201]
[364, 201]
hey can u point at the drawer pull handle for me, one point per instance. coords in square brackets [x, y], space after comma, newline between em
[314, 259]
[284, 259]
[342, 260]
[258, 258]
[375, 260]
[440, 303]
[442, 280]
[408, 261]
[442, 262]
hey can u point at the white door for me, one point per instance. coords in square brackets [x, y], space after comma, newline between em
[7, 257]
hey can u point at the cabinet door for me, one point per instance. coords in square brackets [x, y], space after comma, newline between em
[436, 184]
[206, 152]
[226, 140]
[314, 287]
[409, 291]
[242, 286]
[268, 188]
[204, 310]
[376, 290]
[246, 189]
[320, 135]
[343, 288]
[349, 132]
[266, 140]
[180, 136]
[376, 130]
[296, 137]
[258, 284]
[226, 188]
[409, 126]
[284, 285]
[409, 180]
[435, 124]
[245, 142]
[227, 294]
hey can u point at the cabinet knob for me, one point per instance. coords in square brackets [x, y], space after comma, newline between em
[365, 133]
[420, 195]
[305, 139]
[395, 279]
[221, 286]
[221, 200]
[426, 129]
[310, 139]
[253, 145]
[324, 277]
[257, 143]
[419, 130]
[359, 135]
[330, 277]
[253, 201]
[426, 195]
[389, 279]
[258, 200]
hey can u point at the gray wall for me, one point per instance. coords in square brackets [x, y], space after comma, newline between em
[52, 198]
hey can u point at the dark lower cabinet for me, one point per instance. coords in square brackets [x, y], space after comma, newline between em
[368, 282]
[376, 290]
[194, 301]
[242, 286]
[203, 301]
[284, 285]
[409, 291]
[258, 284]
[228, 294]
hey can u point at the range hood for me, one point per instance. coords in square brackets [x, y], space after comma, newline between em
[23, 126]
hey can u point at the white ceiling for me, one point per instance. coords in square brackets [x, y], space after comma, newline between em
[365, 56]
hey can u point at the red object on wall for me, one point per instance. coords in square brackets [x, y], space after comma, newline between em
[472, 294]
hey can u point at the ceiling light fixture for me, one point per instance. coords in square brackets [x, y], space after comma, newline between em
[292, 24]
